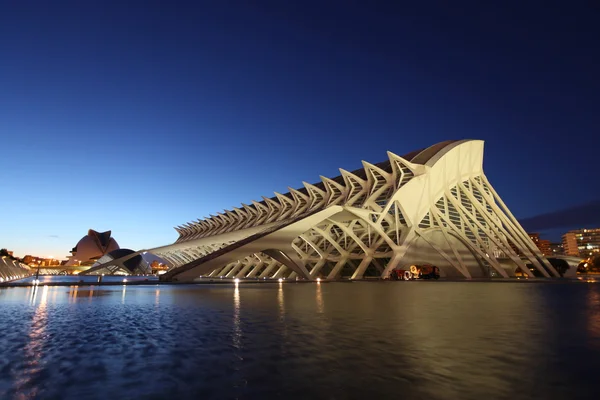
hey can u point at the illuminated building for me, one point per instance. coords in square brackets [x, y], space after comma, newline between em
[158, 267]
[34, 261]
[582, 242]
[433, 206]
[92, 247]
[542, 244]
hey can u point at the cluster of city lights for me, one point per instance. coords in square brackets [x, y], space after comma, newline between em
[280, 280]
[37, 281]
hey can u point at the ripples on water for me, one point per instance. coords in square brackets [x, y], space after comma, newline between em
[409, 340]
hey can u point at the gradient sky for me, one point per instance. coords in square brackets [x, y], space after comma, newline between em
[140, 116]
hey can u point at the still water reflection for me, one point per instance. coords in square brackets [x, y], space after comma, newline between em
[410, 340]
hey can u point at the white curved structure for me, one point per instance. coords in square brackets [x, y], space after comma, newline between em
[433, 206]
[11, 269]
[92, 247]
[120, 262]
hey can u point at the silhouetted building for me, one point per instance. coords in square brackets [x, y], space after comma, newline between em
[557, 249]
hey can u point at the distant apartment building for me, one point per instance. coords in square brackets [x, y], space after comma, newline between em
[34, 261]
[542, 244]
[581, 242]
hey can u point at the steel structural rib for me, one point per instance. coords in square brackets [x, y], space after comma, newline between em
[434, 206]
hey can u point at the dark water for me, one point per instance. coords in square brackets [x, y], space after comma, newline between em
[400, 340]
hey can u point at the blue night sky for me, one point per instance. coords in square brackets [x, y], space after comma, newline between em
[140, 116]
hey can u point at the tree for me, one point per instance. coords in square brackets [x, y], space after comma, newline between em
[5, 253]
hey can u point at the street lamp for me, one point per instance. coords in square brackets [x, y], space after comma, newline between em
[37, 274]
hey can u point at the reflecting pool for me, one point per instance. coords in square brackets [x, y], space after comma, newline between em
[409, 340]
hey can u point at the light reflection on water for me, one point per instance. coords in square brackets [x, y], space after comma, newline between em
[411, 340]
[237, 329]
[319, 298]
[32, 362]
[280, 301]
[594, 316]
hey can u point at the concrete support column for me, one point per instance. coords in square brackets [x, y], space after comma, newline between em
[398, 254]
[243, 271]
[233, 272]
[315, 270]
[336, 270]
[255, 270]
[280, 272]
[362, 267]
[269, 268]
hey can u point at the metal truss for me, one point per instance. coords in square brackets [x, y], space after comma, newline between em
[433, 206]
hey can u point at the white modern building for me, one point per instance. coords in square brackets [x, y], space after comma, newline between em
[91, 248]
[12, 269]
[433, 206]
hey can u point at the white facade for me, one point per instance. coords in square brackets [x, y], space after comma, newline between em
[122, 262]
[91, 247]
[434, 207]
[11, 269]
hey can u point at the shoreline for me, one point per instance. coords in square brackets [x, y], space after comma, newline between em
[581, 279]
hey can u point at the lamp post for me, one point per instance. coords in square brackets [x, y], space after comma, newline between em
[37, 274]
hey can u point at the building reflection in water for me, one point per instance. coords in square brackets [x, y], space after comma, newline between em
[237, 329]
[123, 296]
[73, 294]
[434, 340]
[474, 334]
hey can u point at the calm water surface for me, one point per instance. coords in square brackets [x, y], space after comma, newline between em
[408, 340]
